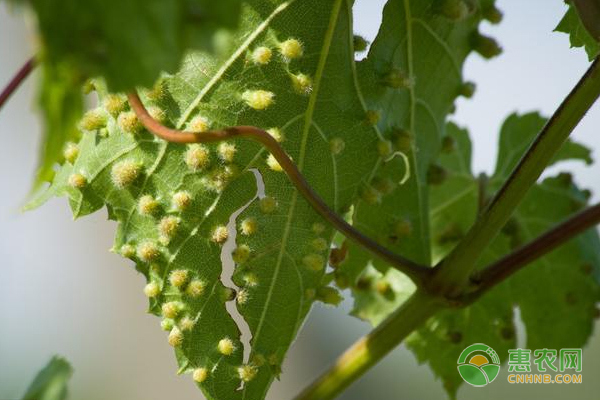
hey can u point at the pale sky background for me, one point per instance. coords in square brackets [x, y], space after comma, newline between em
[64, 293]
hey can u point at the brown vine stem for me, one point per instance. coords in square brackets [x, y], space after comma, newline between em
[418, 273]
[520, 258]
[16, 81]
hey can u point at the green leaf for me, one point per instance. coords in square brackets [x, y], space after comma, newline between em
[129, 42]
[51, 382]
[578, 35]
[517, 134]
[61, 103]
[556, 295]
[412, 76]
[178, 243]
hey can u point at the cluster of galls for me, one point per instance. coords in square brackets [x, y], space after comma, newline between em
[459, 10]
[290, 49]
[115, 106]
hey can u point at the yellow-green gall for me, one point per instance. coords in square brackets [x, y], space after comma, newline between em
[178, 277]
[129, 122]
[467, 89]
[310, 294]
[384, 148]
[171, 309]
[291, 49]
[242, 297]
[227, 294]
[167, 324]
[248, 226]
[247, 372]
[383, 287]
[77, 181]
[262, 55]
[303, 83]
[436, 174]
[241, 254]
[181, 200]
[71, 152]
[226, 347]
[397, 79]
[147, 205]
[195, 288]
[384, 185]
[402, 228]
[318, 228]
[125, 173]
[148, 251]
[403, 140]
[152, 289]
[127, 251]
[114, 104]
[277, 134]
[258, 99]
[93, 120]
[370, 195]
[486, 46]
[273, 163]
[187, 324]
[329, 295]
[250, 279]
[314, 262]
[455, 10]
[492, 14]
[175, 337]
[373, 116]
[336, 145]
[199, 124]
[448, 144]
[226, 151]
[220, 234]
[360, 43]
[159, 91]
[157, 113]
[167, 227]
[88, 86]
[267, 204]
[200, 375]
[319, 244]
[197, 156]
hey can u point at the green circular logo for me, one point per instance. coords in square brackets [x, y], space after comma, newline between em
[478, 364]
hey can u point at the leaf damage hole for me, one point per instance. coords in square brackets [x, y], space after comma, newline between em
[228, 266]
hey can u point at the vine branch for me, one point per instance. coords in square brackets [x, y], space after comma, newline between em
[16, 81]
[451, 279]
[418, 273]
[517, 260]
[453, 274]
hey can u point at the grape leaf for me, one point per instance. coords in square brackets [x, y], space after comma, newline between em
[173, 202]
[51, 382]
[61, 103]
[412, 76]
[556, 295]
[578, 35]
[129, 43]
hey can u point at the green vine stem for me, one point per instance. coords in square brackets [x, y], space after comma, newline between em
[418, 273]
[367, 351]
[453, 273]
[16, 81]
